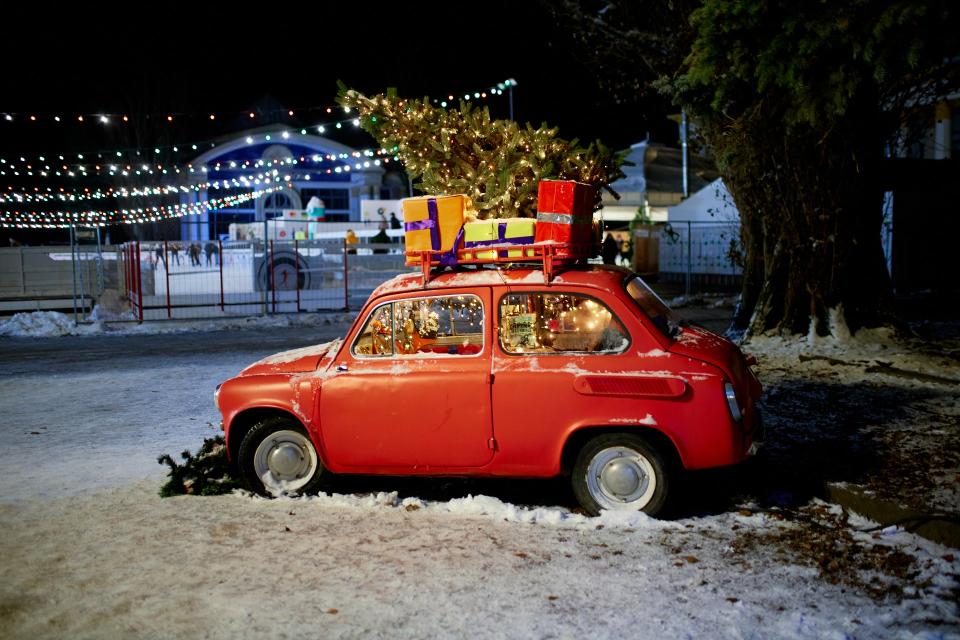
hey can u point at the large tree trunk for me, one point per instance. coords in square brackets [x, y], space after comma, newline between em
[810, 223]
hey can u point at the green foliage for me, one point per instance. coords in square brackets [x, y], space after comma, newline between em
[806, 64]
[497, 163]
[205, 473]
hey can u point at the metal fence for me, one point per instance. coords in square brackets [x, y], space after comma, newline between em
[192, 279]
[701, 255]
[177, 280]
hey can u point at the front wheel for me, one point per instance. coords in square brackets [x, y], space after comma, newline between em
[277, 457]
[621, 471]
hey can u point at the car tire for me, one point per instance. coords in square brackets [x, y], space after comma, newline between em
[621, 471]
[277, 457]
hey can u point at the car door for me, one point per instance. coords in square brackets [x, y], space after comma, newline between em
[550, 344]
[411, 392]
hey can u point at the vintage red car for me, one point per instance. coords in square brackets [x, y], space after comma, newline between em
[501, 372]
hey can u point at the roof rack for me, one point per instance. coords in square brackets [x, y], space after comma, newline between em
[549, 256]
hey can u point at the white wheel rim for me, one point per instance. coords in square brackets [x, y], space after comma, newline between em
[621, 478]
[285, 461]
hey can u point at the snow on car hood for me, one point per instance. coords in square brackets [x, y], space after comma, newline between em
[293, 361]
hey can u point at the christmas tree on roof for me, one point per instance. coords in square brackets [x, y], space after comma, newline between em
[497, 163]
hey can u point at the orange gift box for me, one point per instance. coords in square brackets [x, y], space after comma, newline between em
[433, 223]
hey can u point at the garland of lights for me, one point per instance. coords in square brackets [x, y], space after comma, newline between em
[95, 218]
[176, 148]
[62, 195]
[251, 139]
[107, 118]
[127, 170]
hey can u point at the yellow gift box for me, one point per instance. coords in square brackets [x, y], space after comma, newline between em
[503, 231]
[433, 223]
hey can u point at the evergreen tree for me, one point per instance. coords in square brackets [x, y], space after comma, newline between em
[798, 102]
[497, 163]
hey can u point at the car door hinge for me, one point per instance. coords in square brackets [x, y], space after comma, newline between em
[492, 444]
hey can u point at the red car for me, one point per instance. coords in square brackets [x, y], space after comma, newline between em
[501, 372]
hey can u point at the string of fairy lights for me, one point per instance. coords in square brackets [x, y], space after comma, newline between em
[105, 117]
[61, 194]
[358, 159]
[84, 164]
[157, 150]
[129, 162]
[100, 218]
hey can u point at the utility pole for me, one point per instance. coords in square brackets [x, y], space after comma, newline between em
[686, 159]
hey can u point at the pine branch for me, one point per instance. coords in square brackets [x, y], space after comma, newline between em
[206, 473]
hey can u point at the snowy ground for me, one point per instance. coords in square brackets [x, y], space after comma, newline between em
[88, 549]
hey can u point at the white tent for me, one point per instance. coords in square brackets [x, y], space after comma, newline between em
[713, 203]
[701, 232]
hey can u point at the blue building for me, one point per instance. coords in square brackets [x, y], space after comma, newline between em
[339, 175]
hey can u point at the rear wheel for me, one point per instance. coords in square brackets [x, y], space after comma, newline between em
[277, 457]
[621, 471]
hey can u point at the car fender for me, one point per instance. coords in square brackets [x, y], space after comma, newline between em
[578, 434]
[291, 394]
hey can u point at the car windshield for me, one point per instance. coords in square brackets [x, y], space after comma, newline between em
[650, 303]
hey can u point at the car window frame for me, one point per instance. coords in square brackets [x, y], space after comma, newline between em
[424, 355]
[613, 315]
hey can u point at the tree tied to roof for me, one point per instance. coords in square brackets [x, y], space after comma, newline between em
[497, 163]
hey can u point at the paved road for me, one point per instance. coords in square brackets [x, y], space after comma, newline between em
[75, 353]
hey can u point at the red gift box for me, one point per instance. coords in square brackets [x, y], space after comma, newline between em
[565, 216]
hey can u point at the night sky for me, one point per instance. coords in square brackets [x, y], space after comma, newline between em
[190, 60]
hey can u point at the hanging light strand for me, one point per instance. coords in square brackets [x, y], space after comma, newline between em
[171, 117]
[99, 218]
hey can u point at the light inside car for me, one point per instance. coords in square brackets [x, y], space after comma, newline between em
[732, 402]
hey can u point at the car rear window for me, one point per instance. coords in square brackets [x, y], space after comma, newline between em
[546, 323]
[665, 320]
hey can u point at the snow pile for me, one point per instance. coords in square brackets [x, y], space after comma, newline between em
[44, 324]
[480, 505]
[871, 351]
[102, 313]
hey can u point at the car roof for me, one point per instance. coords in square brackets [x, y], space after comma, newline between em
[599, 276]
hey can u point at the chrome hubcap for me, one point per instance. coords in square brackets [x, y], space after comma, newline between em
[621, 478]
[285, 461]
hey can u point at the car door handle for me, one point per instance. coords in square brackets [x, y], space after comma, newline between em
[342, 367]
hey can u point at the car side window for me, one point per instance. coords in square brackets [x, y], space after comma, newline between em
[559, 323]
[376, 339]
[423, 327]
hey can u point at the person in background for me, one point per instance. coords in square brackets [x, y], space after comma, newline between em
[626, 254]
[382, 223]
[610, 250]
[381, 238]
[351, 240]
[208, 250]
[175, 253]
[194, 251]
[395, 224]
